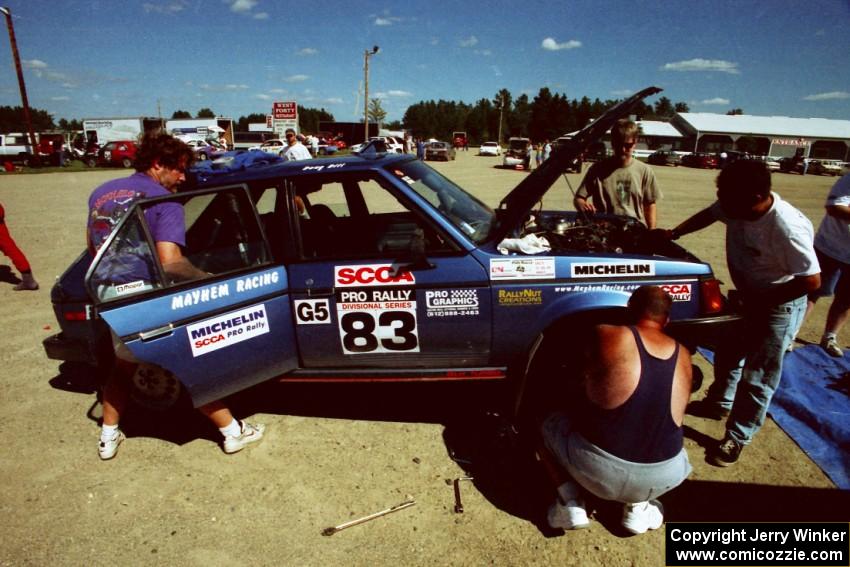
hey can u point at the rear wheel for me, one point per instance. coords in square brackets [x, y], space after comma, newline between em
[127, 163]
[201, 156]
[155, 388]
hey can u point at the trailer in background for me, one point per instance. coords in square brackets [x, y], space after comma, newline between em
[205, 129]
[99, 131]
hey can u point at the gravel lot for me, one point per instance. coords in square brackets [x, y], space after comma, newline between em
[332, 453]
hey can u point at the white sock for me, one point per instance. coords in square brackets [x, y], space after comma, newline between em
[107, 432]
[827, 336]
[234, 429]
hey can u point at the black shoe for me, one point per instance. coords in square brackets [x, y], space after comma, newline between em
[706, 409]
[726, 453]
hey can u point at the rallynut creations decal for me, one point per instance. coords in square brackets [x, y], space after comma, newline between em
[522, 268]
[376, 309]
[228, 329]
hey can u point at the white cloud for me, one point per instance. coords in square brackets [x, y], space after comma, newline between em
[434, 41]
[296, 78]
[471, 41]
[623, 92]
[383, 22]
[710, 65]
[261, 16]
[165, 7]
[484, 52]
[716, 100]
[308, 51]
[496, 71]
[60, 98]
[34, 64]
[223, 88]
[393, 94]
[242, 6]
[333, 100]
[263, 97]
[834, 95]
[278, 91]
[549, 44]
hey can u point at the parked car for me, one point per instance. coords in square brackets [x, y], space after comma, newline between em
[205, 150]
[121, 153]
[832, 166]
[796, 165]
[518, 155]
[442, 151]
[771, 162]
[392, 273]
[563, 143]
[275, 146]
[664, 157]
[490, 149]
[701, 160]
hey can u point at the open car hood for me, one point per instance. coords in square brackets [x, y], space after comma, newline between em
[517, 204]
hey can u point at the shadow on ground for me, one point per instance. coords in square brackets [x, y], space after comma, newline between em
[485, 444]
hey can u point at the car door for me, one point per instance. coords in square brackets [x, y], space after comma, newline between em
[221, 319]
[363, 299]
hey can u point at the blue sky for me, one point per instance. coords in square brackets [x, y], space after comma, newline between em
[102, 58]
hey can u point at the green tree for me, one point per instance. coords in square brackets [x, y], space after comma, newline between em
[205, 113]
[309, 118]
[664, 108]
[682, 107]
[377, 113]
[179, 114]
[12, 119]
[734, 112]
[70, 125]
[254, 118]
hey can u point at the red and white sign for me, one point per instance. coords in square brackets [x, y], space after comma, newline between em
[284, 110]
[678, 292]
[371, 275]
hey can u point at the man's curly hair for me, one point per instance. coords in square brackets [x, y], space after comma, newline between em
[164, 149]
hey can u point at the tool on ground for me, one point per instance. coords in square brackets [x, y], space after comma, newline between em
[458, 502]
[406, 504]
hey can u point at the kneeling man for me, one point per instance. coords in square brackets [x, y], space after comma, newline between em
[624, 442]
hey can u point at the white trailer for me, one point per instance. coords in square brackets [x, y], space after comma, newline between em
[205, 129]
[103, 130]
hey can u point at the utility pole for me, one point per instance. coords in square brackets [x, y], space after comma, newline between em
[501, 109]
[33, 146]
[366, 55]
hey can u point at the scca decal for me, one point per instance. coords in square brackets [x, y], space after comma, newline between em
[371, 275]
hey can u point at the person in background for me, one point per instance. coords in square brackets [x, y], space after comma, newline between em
[620, 184]
[772, 261]
[624, 440]
[296, 150]
[547, 149]
[10, 249]
[161, 164]
[832, 246]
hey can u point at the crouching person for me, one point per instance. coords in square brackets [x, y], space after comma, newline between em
[623, 442]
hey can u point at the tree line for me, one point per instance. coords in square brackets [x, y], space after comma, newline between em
[547, 116]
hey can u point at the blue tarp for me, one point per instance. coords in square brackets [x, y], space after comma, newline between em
[812, 405]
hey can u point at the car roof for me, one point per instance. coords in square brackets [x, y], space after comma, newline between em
[259, 172]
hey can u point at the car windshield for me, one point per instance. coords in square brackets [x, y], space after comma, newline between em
[467, 213]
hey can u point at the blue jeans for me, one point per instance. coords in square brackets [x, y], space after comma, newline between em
[748, 367]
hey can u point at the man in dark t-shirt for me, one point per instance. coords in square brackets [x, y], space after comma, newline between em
[625, 442]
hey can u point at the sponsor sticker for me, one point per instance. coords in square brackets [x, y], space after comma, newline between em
[227, 330]
[531, 268]
[371, 275]
[226, 289]
[612, 269]
[451, 302]
[376, 320]
[678, 292]
[129, 287]
[520, 297]
[312, 311]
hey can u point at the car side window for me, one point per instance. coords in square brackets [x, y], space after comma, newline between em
[218, 232]
[358, 217]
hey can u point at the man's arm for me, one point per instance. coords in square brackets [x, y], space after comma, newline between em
[782, 293]
[175, 264]
[697, 222]
[650, 212]
[841, 212]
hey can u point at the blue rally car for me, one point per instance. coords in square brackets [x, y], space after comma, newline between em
[370, 268]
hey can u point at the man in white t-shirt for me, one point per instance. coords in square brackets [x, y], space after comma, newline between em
[771, 258]
[832, 245]
[296, 150]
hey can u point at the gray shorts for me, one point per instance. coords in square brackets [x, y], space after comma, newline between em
[607, 476]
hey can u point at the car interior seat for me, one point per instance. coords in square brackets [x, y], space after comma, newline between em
[322, 229]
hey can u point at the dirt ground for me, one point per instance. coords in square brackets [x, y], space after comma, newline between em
[332, 453]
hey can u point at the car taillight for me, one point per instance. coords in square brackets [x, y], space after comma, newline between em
[75, 315]
[710, 296]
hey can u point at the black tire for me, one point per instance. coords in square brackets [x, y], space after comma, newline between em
[91, 162]
[155, 388]
[127, 163]
[201, 156]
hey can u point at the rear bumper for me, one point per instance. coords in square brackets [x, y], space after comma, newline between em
[62, 347]
[705, 332]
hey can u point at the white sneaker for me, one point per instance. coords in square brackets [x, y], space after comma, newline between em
[569, 516]
[107, 449]
[249, 434]
[637, 518]
[830, 345]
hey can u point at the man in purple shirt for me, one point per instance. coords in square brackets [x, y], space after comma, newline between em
[160, 165]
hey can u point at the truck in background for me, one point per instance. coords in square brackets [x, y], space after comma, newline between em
[102, 130]
[459, 139]
[14, 148]
[204, 129]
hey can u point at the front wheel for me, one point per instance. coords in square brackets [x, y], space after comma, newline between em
[127, 163]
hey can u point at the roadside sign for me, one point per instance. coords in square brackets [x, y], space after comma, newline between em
[285, 111]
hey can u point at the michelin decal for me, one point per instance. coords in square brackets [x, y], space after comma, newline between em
[227, 330]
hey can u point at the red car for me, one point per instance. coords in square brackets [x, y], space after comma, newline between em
[705, 161]
[121, 153]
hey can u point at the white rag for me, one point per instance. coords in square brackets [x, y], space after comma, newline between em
[528, 244]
